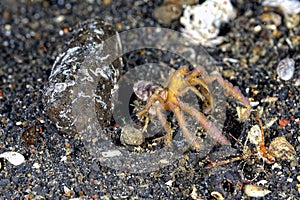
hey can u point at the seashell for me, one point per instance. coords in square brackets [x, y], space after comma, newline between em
[280, 148]
[255, 191]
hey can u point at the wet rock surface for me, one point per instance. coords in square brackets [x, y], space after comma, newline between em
[58, 166]
[87, 47]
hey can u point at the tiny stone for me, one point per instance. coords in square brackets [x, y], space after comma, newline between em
[257, 29]
[255, 191]
[36, 165]
[131, 136]
[64, 158]
[289, 180]
[297, 82]
[276, 166]
[59, 18]
[112, 153]
[285, 69]
[169, 183]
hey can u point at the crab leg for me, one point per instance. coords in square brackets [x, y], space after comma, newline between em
[193, 89]
[213, 131]
[180, 118]
[234, 92]
[194, 81]
[198, 71]
[151, 100]
[166, 125]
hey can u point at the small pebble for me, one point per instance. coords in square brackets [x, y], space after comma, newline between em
[217, 195]
[257, 29]
[131, 136]
[112, 153]
[297, 82]
[169, 183]
[255, 191]
[298, 178]
[285, 69]
[286, 6]
[290, 180]
[262, 182]
[36, 165]
[167, 13]
[13, 157]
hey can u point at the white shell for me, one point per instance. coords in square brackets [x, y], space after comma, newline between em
[255, 191]
[202, 22]
[13, 157]
[280, 148]
[217, 195]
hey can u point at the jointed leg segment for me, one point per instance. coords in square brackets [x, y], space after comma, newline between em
[192, 139]
[232, 91]
[213, 131]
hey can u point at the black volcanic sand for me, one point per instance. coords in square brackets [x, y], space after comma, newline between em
[58, 166]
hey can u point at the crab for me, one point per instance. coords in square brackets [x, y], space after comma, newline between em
[167, 97]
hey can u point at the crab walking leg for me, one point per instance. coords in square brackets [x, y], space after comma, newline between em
[199, 70]
[180, 118]
[165, 123]
[152, 100]
[147, 120]
[212, 130]
[232, 91]
[193, 89]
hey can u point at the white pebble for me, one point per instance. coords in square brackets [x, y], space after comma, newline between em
[59, 19]
[13, 157]
[262, 182]
[64, 158]
[289, 180]
[255, 191]
[36, 165]
[297, 82]
[113, 153]
[169, 183]
[285, 69]
[254, 103]
[18, 123]
[287, 6]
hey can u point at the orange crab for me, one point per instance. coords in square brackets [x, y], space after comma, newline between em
[168, 98]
